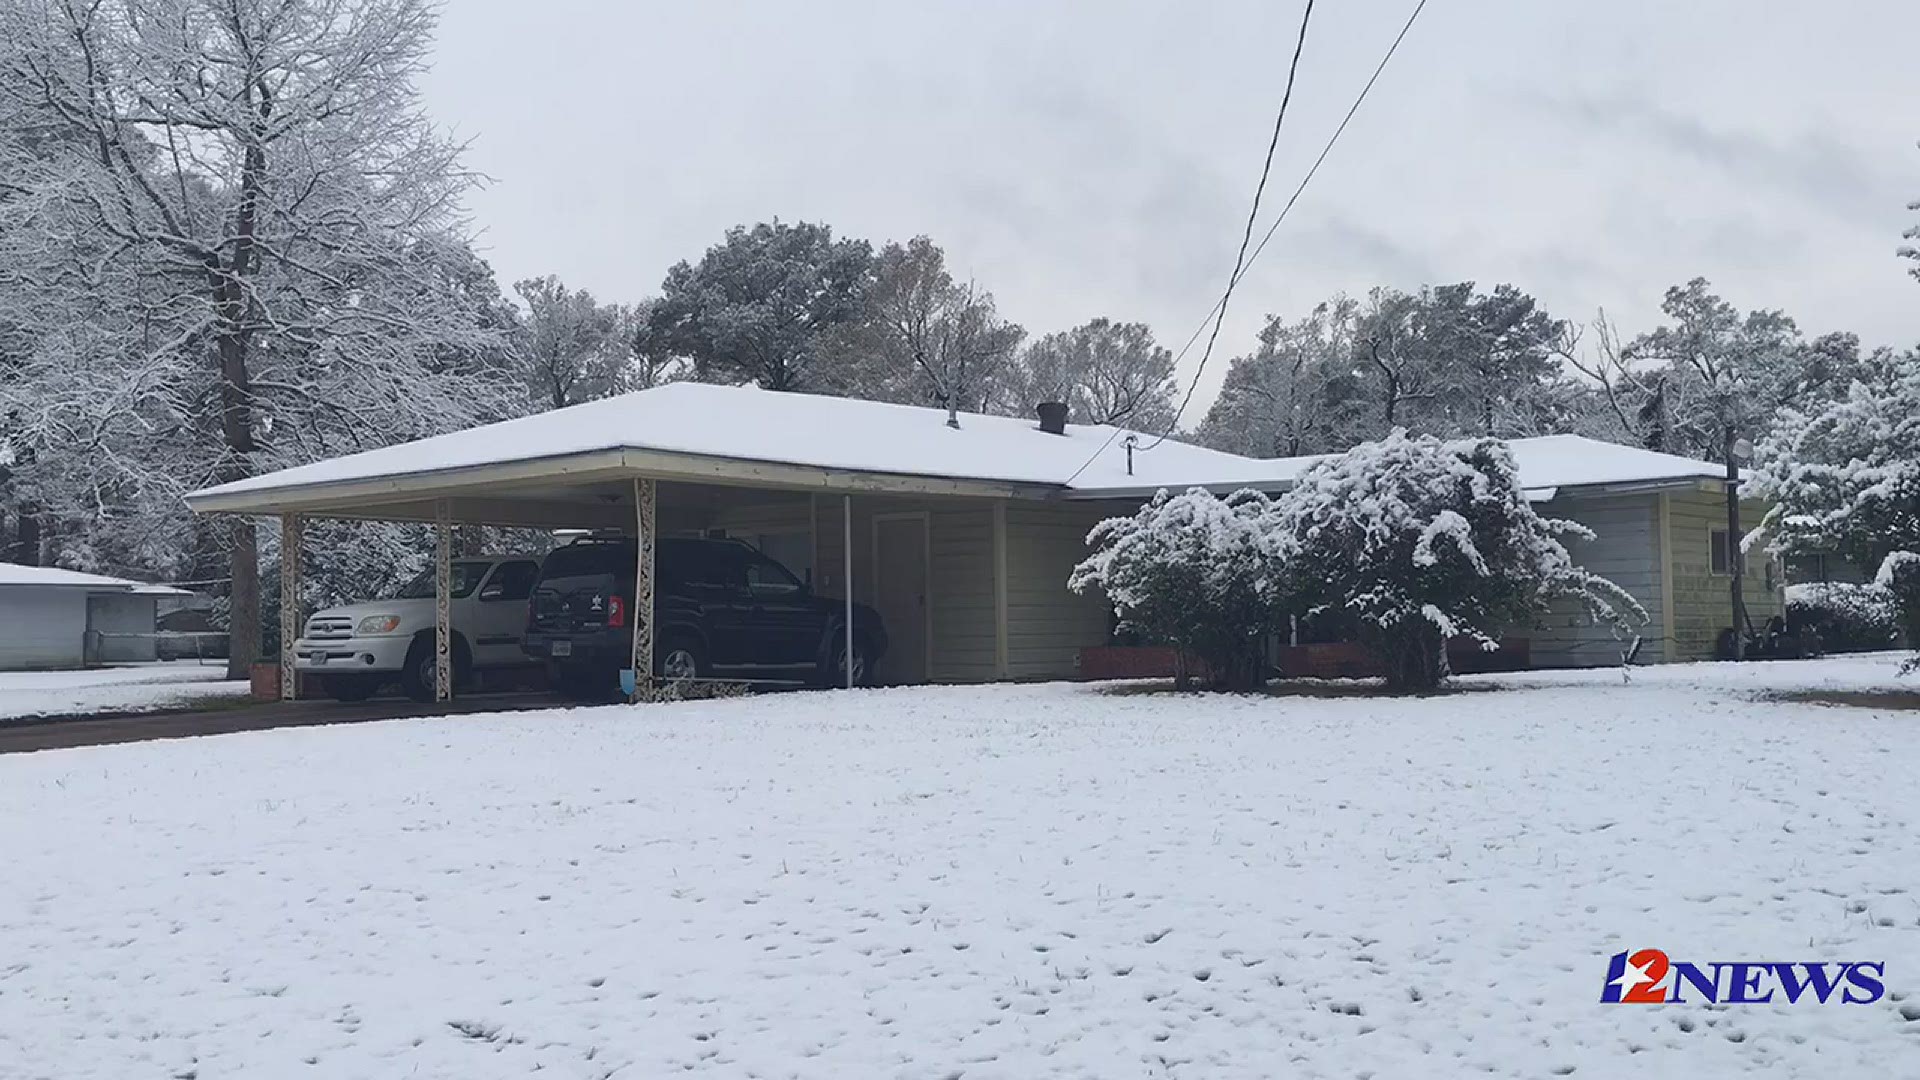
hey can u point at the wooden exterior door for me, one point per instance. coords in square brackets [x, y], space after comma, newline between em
[900, 595]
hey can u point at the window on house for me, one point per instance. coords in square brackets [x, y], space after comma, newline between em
[1807, 568]
[1721, 551]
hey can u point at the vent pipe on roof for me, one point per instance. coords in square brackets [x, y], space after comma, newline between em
[1053, 417]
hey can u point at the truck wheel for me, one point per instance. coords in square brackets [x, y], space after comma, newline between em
[417, 676]
[680, 659]
[352, 687]
[835, 672]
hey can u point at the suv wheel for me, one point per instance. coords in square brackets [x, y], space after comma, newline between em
[681, 660]
[838, 669]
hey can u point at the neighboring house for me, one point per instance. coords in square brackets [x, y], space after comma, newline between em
[963, 538]
[53, 618]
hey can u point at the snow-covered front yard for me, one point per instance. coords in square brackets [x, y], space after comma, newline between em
[126, 688]
[1025, 881]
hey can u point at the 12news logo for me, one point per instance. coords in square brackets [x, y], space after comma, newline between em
[1647, 977]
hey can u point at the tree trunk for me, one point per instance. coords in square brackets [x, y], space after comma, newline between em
[243, 601]
[232, 338]
[1414, 658]
[26, 539]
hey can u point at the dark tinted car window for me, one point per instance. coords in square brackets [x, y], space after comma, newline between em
[716, 566]
[768, 578]
[577, 560]
[512, 581]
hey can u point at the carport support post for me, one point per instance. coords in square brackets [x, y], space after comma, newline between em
[442, 600]
[645, 506]
[846, 550]
[291, 528]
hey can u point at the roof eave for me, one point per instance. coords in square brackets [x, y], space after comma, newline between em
[358, 496]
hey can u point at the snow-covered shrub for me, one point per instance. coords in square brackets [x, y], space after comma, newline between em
[1418, 540]
[1195, 571]
[1848, 618]
[1900, 576]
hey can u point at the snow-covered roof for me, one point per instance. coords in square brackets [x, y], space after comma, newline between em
[1546, 463]
[752, 426]
[13, 574]
[748, 424]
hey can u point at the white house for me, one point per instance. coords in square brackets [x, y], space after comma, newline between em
[52, 618]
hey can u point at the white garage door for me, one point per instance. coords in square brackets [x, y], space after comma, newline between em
[41, 628]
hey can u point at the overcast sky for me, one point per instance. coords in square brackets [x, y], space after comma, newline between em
[1098, 158]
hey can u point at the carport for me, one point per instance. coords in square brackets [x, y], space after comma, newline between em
[861, 496]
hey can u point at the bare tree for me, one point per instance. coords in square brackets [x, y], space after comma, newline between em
[1106, 373]
[275, 213]
[923, 336]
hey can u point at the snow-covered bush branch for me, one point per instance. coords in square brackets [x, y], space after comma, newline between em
[1196, 571]
[1415, 541]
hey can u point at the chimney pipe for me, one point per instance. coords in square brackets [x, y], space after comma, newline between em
[1053, 417]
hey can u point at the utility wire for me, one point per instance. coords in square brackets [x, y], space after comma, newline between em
[1240, 271]
[1253, 218]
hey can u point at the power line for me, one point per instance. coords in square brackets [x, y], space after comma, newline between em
[1253, 218]
[1219, 307]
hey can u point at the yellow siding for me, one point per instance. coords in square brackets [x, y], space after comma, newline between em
[1047, 625]
[1626, 551]
[1702, 602]
[960, 573]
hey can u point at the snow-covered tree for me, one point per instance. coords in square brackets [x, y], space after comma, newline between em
[250, 232]
[1710, 377]
[1912, 251]
[1197, 572]
[759, 306]
[1412, 541]
[1106, 373]
[920, 336]
[1299, 393]
[1845, 475]
[1447, 360]
[569, 344]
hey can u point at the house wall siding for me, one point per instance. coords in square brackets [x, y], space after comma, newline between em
[974, 576]
[1626, 551]
[1048, 624]
[1702, 602]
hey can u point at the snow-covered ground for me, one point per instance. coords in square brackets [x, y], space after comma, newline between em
[1009, 881]
[128, 688]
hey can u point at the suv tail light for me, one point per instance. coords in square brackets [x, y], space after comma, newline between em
[616, 611]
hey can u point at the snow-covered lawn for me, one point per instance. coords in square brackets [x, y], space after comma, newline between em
[129, 688]
[1024, 881]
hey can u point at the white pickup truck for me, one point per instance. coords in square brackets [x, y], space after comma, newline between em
[358, 648]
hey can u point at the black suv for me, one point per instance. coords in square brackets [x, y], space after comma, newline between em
[721, 610]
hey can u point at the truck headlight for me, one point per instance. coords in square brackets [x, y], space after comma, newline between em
[374, 625]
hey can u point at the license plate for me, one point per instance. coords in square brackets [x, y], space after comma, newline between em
[318, 659]
[562, 648]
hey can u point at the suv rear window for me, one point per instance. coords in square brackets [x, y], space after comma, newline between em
[601, 557]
